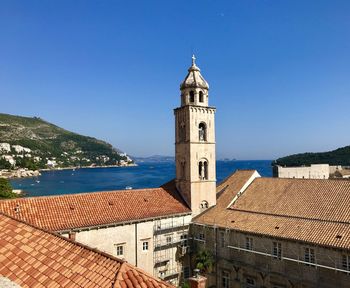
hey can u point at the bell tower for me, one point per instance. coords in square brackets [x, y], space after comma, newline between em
[195, 143]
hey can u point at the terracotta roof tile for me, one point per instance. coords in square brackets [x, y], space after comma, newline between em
[64, 212]
[47, 268]
[309, 210]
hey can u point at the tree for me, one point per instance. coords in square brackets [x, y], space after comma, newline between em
[4, 164]
[6, 189]
[204, 261]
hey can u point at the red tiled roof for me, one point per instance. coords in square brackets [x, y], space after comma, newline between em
[327, 200]
[309, 210]
[32, 257]
[64, 212]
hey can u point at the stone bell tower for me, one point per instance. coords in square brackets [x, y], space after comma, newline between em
[195, 143]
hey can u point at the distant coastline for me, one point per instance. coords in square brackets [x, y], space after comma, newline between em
[27, 173]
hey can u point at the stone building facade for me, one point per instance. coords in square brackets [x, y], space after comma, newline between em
[277, 233]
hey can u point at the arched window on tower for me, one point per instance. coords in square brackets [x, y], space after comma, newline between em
[202, 131]
[200, 96]
[204, 205]
[203, 170]
[191, 96]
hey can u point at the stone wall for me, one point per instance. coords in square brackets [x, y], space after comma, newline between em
[258, 268]
[315, 171]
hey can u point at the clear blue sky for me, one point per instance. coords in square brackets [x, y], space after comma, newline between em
[279, 71]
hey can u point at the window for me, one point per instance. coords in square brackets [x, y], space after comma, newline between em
[222, 239]
[249, 243]
[309, 255]
[200, 96]
[168, 239]
[250, 282]
[206, 170]
[225, 279]
[203, 170]
[201, 236]
[186, 272]
[191, 96]
[346, 262]
[277, 250]
[183, 239]
[202, 131]
[145, 246]
[204, 205]
[120, 250]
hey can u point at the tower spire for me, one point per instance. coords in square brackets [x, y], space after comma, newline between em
[193, 60]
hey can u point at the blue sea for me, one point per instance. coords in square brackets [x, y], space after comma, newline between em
[145, 175]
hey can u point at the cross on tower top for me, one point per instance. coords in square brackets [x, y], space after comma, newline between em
[193, 60]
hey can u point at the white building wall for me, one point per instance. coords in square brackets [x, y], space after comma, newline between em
[132, 236]
[315, 171]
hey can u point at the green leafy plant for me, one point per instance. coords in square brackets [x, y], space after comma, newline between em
[205, 261]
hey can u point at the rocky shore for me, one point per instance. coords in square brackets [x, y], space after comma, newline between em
[25, 173]
[19, 173]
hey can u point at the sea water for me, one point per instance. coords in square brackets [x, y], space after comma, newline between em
[145, 175]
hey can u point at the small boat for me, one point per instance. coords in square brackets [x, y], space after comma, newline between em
[128, 188]
[37, 181]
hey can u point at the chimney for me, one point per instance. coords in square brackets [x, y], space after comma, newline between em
[197, 281]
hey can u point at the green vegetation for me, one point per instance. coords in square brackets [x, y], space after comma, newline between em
[340, 156]
[6, 189]
[4, 164]
[204, 261]
[50, 142]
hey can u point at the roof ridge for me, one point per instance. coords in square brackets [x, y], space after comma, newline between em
[288, 216]
[83, 193]
[233, 173]
[104, 254]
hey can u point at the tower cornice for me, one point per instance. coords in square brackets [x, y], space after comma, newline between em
[192, 107]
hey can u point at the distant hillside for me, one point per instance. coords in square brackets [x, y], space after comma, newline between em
[340, 156]
[35, 143]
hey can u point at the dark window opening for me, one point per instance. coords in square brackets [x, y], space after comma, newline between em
[200, 96]
[204, 205]
[203, 170]
[191, 96]
[202, 131]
